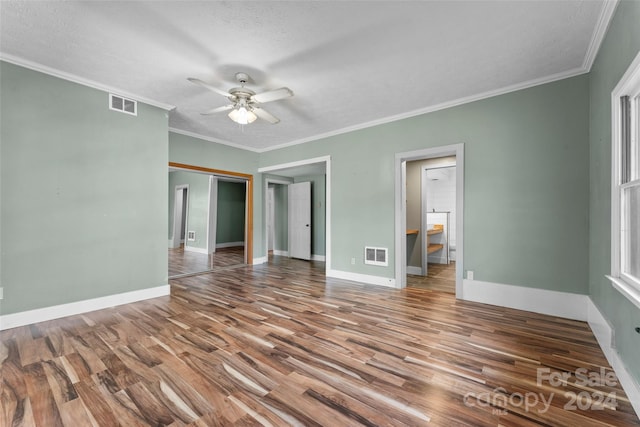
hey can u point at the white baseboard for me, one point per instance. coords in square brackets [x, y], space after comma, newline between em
[362, 278]
[14, 320]
[196, 250]
[315, 257]
[260, 260]
[229, 245]
[604, 334]
[437, 259]
[278, 252]
[554, 303]
[416, 271]
[560, 304]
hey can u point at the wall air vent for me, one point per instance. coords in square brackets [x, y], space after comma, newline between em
[123, 105]
[376, 256]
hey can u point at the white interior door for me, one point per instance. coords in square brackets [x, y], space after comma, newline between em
[300, 220]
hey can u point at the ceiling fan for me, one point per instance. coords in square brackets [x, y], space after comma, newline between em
[245, 103]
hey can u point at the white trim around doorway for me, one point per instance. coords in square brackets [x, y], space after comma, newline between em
[322, 159]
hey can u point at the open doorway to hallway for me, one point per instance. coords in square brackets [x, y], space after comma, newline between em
[429, 218]
[431, 212]
[281, 210]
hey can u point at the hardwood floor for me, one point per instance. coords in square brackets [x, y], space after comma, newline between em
[280, 344]
[440, 277]
[186, 262]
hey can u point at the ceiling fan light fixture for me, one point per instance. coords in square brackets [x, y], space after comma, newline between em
[242, 116]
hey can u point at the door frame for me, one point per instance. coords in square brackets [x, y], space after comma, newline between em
[274, 169]
[401, 160]
[184, 189]
[268, 181]
[248, 217]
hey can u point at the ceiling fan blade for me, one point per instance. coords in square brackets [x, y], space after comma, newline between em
[218, 109]
[265, 115]
[208, 86]
[272, 95]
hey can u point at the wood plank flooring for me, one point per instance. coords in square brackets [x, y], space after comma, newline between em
[280, 344]
[440, 277]
[186, 262]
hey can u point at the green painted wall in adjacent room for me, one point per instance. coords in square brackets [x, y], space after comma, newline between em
[198, 152]
[197, 207]
[281, 217]
[231, 209]
[83, 196]
[619, 48]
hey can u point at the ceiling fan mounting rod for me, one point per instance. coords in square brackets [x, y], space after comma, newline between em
[242, 78]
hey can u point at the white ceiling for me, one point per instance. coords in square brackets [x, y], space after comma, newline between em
[351, 64]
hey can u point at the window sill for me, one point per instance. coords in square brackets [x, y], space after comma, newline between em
[630, 292]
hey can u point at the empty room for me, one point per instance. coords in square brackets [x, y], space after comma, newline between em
[320, 213]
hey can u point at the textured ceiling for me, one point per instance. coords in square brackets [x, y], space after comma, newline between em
[350, 64]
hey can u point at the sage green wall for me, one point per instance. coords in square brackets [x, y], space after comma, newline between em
[318, 211]
[526, 184]
[198, 152]
[619, 48]
[231, 210]
[197, 208]
[84, 193]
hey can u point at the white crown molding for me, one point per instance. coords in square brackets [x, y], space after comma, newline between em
[599, 32]
[210, 139]
[297, 163]
[81, 81]
[433, 108]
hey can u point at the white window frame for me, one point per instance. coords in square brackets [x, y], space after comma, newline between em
[629, 85]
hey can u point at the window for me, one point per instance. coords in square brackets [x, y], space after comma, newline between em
[625, 190]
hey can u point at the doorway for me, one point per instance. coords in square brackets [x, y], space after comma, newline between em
[203, 199]
[431, 262]
[418, 235]
[277, 179]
